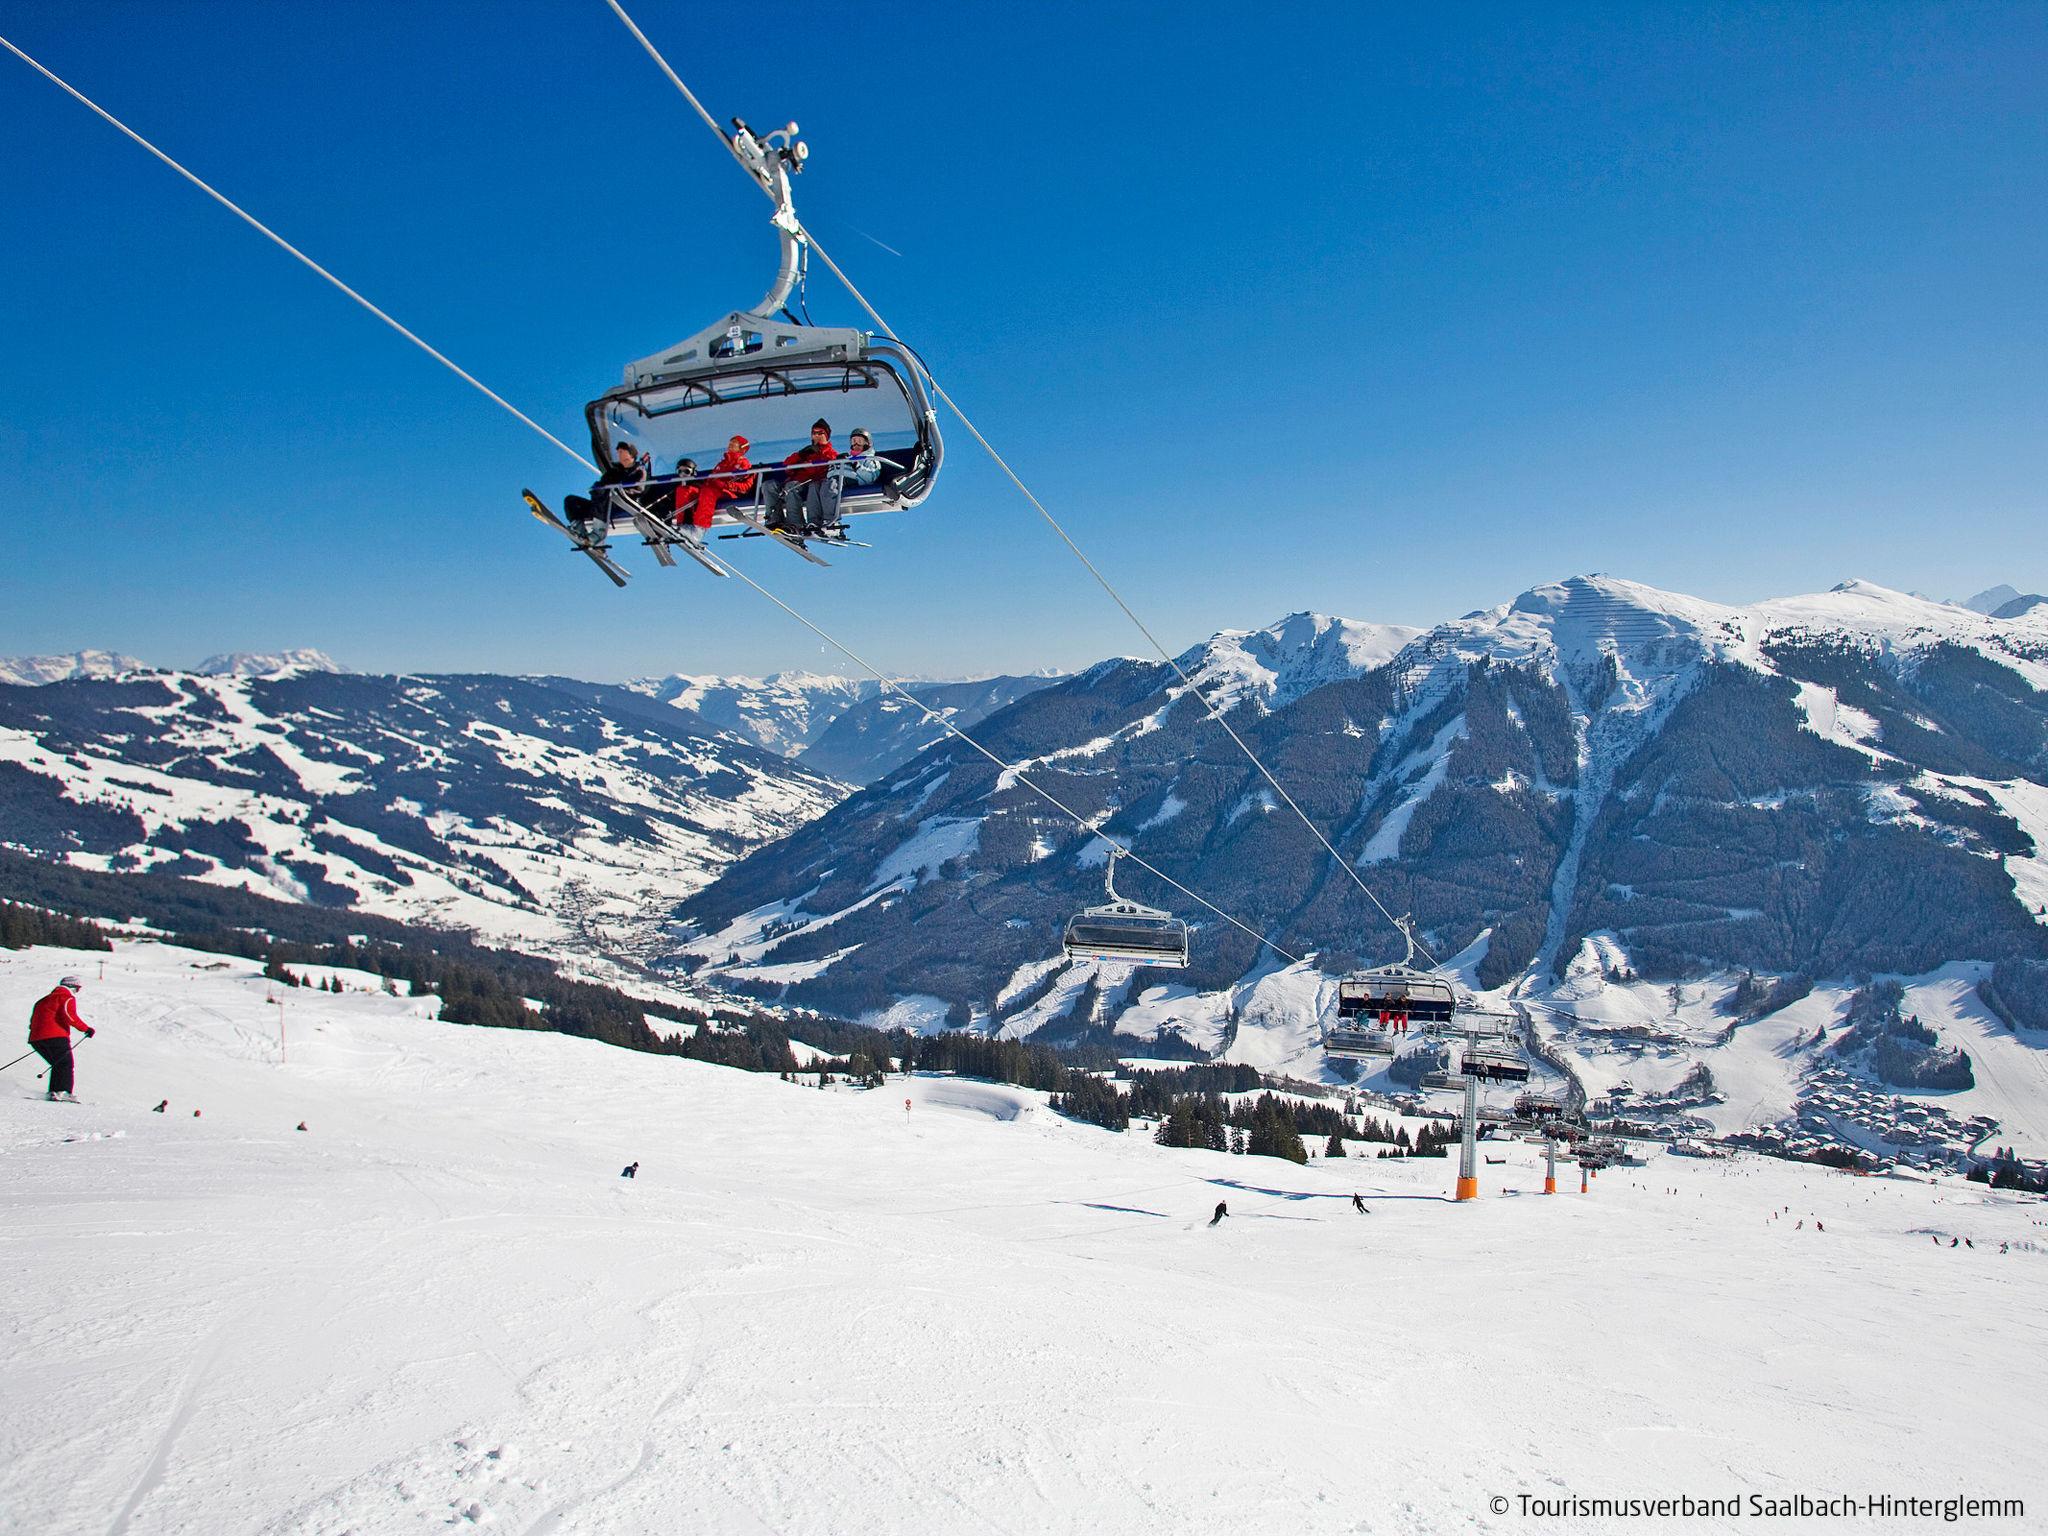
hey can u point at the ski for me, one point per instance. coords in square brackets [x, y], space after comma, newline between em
[603, 561]
[837, 541]
[787, 541]
[665, 538]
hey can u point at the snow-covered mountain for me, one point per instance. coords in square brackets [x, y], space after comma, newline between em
[34, 671]
[885, 730]
[851, 729]
[1835, 784]
[521, 811]
[784, 711]
[267, 663]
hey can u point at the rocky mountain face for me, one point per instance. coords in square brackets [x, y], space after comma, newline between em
[1851, 782]
[513, 808]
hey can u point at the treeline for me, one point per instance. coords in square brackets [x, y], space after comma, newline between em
[22, 926]
[1896, 1047]
[477, 985]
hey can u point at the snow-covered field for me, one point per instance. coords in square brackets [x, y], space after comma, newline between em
[825, 1312]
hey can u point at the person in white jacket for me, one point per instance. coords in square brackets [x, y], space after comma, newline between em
[861, 466]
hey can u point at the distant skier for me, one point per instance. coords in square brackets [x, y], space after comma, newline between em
[630, 1171]
[1358, 1205]
[49, 1032]
[1222, 1210]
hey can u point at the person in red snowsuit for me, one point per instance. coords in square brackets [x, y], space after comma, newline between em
[49, 1032]
[730, 480]
[797, 501]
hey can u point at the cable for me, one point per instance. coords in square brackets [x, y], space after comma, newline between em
[1023, 778]
[1053, 522]
[275, 238]
[469, 378]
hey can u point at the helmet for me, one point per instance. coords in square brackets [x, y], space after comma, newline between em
[73, 982]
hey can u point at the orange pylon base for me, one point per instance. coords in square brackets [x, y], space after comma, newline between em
[1582, 1183]
[1550, 1186]
[1468, 1189]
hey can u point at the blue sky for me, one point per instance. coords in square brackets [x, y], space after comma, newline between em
[1386, 312]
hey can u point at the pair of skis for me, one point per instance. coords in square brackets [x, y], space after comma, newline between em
[665, 538]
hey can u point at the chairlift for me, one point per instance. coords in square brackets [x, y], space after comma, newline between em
[1376, 1007]
[1357, 1041]
[1121, 929]
[765, 373]
[1494, 1061]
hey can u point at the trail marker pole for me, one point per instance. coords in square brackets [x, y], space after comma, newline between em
[1468, 1147]
[1550, 1165]
[280, 1032]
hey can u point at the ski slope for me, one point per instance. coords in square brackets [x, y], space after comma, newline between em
[441, 1308]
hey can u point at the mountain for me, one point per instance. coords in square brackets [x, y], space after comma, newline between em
[2019, 607]
[869, 738]
[32, 671]
[267, 663]
[850, 729]
[1990, 600]
[1847, 782]
[504, 806]
[784, 711]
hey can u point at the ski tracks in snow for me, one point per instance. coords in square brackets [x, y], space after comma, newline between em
[181, 1414]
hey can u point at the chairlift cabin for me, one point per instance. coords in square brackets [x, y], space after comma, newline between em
[1494, 1061]
[1357, 1041]
[1393, 997]
[1120, 929]
[766, 374]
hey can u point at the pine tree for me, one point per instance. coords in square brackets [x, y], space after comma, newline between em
[1334, 1147]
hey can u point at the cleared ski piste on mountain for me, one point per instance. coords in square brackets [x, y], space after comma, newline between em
[819, 1312]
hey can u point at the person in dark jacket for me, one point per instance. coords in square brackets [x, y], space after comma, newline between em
[590, 516]
[49, 1032]
[796, 499]
[1222, 1210]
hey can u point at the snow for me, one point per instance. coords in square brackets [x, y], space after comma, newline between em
[1385, 843]
[2026, 803]
[936, 840]
[1844, 724]
[440, 1306]
[920, 1013]
[1276, 665]
[268, 663]
[1169, 808]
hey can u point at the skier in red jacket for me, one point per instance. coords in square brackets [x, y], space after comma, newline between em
[730, 480]
[49, 1031]
[796, 503]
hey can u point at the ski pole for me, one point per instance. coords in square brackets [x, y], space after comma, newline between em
[24, 1056]
[46, 1071]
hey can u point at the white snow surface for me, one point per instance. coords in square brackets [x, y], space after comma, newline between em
[824, 1312]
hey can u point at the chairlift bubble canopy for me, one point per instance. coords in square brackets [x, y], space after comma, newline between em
[1121, 929]
[766, 374]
